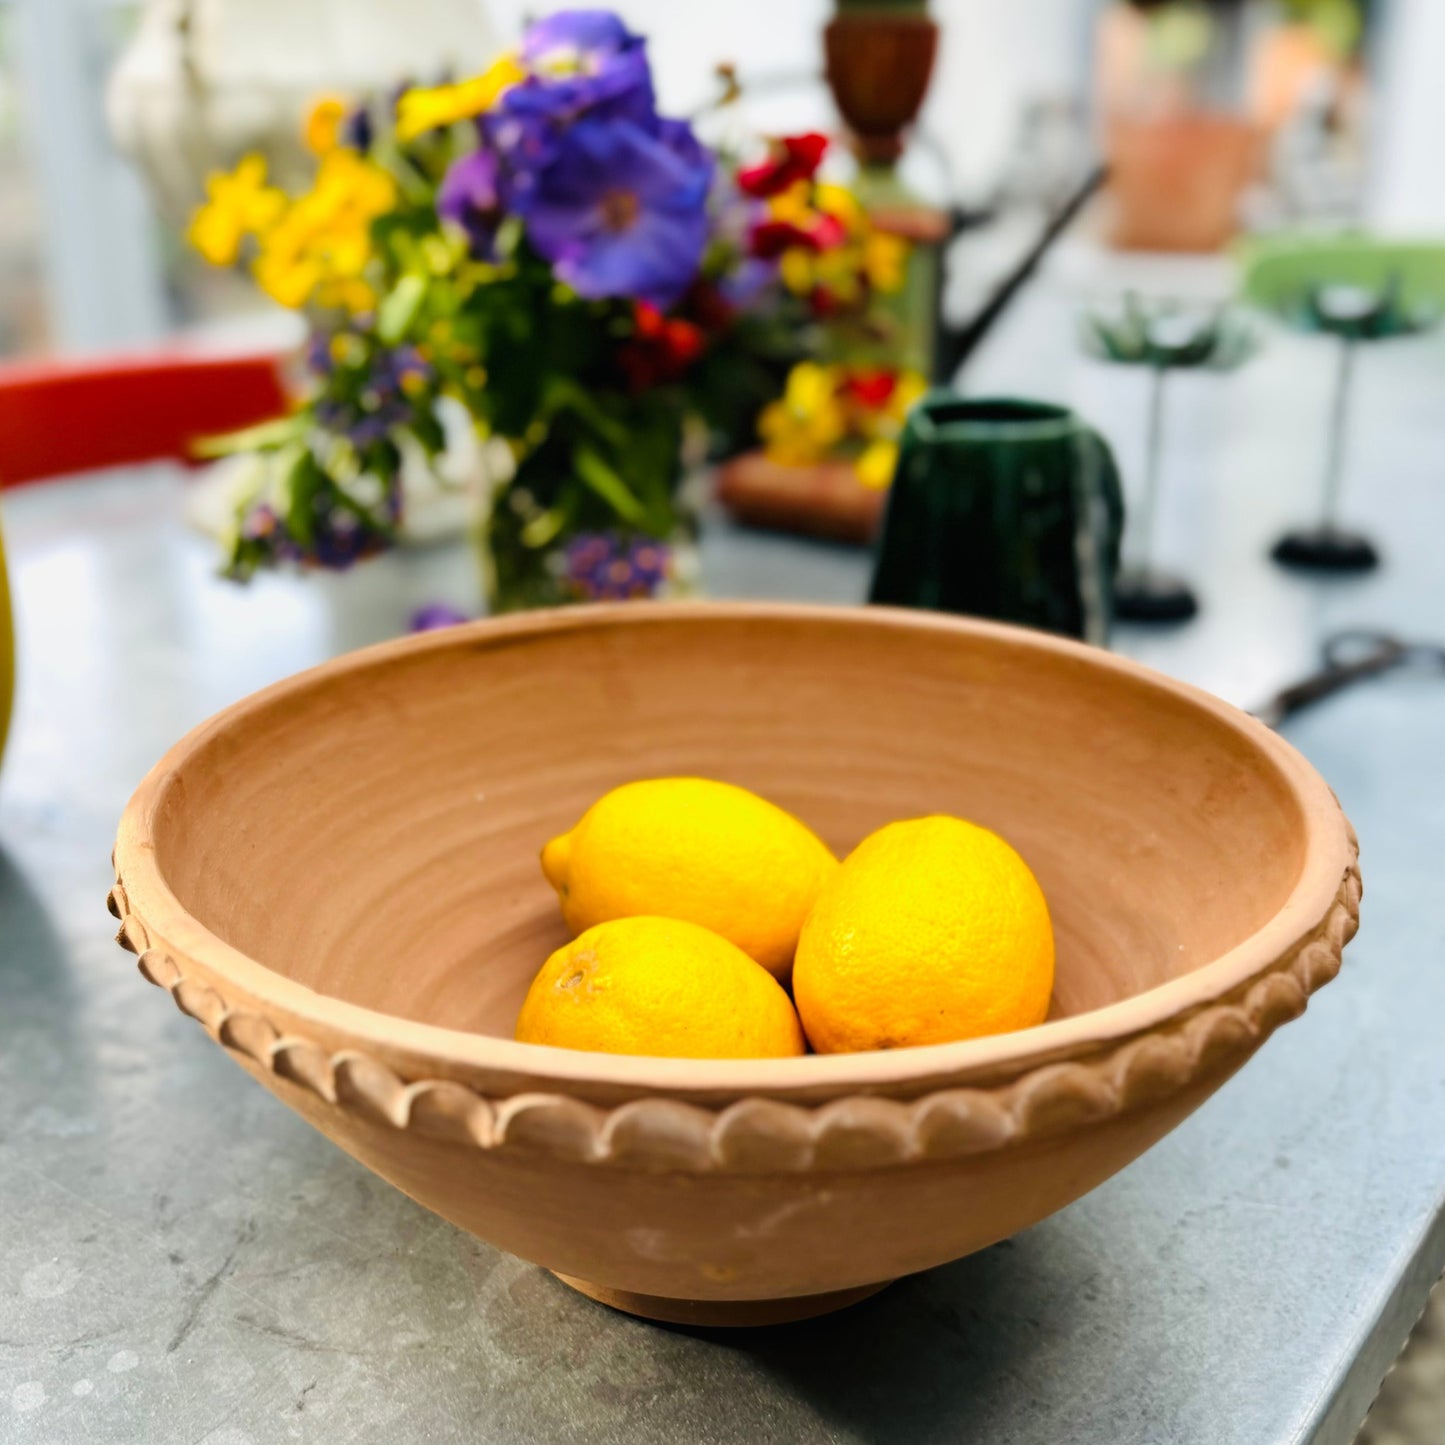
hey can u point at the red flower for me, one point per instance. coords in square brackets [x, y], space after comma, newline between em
[662, 347]
[769, 239]
[871, 389]
[708, 308]
[824, 302]
[795, 158]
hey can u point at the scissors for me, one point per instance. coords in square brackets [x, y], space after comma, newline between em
[1349, 657]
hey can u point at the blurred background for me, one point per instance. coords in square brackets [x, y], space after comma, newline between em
[1021, 96]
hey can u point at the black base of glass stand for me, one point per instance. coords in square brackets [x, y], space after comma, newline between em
[1153, 597]
[1325, 549]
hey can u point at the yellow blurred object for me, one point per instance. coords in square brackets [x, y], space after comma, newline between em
[321, 245]
[239, 204]
[862, 256]
[322, 129]
[690, 848]
[809, 420]
[421, 110]
[877, 464]
[659, 986]
[828, 409]
[932, 930]
[885, 259]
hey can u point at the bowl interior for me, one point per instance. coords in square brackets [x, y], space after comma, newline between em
[372, 831]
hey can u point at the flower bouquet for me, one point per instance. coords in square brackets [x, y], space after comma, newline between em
[830, 441]
[595, 291]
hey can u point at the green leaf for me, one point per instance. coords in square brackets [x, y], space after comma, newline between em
[399, 309]
[545, 527]
[298, 476]
[564, 394]
[268, 436]
[609, 486]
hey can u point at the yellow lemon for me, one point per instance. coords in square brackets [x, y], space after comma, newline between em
[931, 930]
[688, 848]
[659, 986]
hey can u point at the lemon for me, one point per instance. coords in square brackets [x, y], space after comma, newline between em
[659, 986]
[689, 848]
[932, 929]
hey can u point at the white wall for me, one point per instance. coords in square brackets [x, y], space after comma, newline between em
[103, 277]
[997, 55]
[1407, 193]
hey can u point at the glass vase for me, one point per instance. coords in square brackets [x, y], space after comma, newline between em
[530, 558]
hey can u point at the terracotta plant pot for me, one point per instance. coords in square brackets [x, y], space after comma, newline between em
[1176, 182]
[338, 877]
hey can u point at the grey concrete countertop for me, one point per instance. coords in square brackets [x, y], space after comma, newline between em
[182, 1259]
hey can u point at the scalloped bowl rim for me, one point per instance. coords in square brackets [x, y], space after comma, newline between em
[994, 1058]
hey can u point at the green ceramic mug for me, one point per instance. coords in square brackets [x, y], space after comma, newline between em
[1003, 508]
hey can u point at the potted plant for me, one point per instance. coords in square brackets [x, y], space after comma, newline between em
[1180, 151]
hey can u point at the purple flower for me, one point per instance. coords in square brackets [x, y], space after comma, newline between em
[470, 197]
[357, 130]
[583, 61]
[260, 523]
[525, 145]
[369, 398]
[621, 212]
[434, 616]
[372, 428]
[746, 284]
[604, 567]
[318, 353]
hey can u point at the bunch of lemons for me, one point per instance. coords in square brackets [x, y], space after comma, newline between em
[696, 905]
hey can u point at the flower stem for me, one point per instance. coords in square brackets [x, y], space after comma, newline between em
[1334, 457]
[1143, 546]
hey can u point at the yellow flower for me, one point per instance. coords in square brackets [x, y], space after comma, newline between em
[421, 110]
[841, 204]
[875, 467]
[349, 182]
[321, 130]
[287, 277]
[808, 421]
[321, 247]
[885, 260]
[794, 204]
[841, 273]
[238, 205]
[347, 294]
[796, 268]
[811, 387]
[910, 389]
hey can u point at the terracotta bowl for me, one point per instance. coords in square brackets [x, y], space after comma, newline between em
[338, 877]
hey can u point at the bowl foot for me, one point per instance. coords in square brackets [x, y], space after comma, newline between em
[712, 1313]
